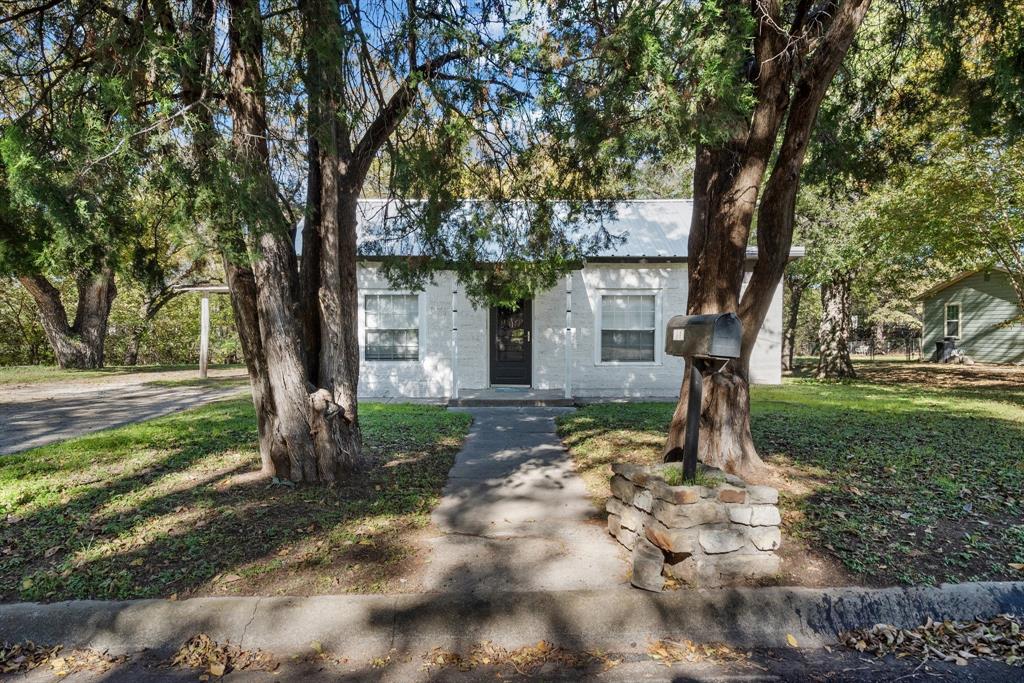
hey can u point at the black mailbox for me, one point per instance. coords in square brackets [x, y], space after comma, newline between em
[718, 335]
[702, 340]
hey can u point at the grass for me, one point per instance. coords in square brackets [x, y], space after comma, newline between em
[212, 382]
[917, 480]
[34, 374]
[174, 507]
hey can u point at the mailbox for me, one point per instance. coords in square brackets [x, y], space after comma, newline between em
[718, 335]
[702, 340]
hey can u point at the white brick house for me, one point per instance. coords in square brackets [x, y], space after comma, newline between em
[599, 333]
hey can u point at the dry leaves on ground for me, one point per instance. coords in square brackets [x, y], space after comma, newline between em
[22, 657]
[1000, 638]
[670, 652]
[525, 660]
[203, 652]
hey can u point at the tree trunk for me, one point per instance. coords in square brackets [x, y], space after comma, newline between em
[834, 333]
[727, 183]
[80, 344]
[131, 354]
[797, 286]
[307, 432]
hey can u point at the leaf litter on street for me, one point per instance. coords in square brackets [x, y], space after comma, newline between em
[1000, 639]
[19, 658]
[217, 659]
[526, 661]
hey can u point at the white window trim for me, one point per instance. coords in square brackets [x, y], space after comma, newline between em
[421, 311]
[959, 321]
[659, 341]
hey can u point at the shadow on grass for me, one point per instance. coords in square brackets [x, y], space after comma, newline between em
[166, 506]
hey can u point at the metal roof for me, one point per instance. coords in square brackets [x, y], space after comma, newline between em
[654, 229]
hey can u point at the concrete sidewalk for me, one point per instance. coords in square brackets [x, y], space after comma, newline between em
[404, 628]
[515, 516]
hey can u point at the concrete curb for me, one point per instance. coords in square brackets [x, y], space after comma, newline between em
[374, 625]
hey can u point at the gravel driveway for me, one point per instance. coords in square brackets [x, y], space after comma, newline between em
[33, 415]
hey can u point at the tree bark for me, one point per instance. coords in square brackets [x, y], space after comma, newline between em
[306, 433]
[834, 333]
[797, 287]
[131, 354]
[79, 344]
[727, 194]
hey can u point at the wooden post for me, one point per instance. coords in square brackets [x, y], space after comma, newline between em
[204, 336]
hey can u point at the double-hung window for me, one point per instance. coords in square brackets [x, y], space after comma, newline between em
[392, 327]
[953, 320]
[627, 328]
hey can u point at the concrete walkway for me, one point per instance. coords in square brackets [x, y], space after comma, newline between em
[515, 516]
[37, 414]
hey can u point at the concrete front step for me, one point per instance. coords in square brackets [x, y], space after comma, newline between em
[511, 403]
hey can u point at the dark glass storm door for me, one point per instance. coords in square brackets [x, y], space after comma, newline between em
[511, 339]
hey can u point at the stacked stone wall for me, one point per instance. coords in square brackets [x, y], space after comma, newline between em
[718, 532]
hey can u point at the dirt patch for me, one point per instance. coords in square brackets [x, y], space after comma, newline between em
[988, 378]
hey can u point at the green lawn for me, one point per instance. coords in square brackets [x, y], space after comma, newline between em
[904, 478]
[173, 507]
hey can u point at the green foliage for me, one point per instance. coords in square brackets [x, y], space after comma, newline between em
[64, 212]
[962, 205]
[980, 53]
[22, 340]
[172, 337]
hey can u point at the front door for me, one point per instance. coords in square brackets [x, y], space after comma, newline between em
[510, 344]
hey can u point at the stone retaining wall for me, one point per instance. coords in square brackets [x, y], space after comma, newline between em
[719, 532]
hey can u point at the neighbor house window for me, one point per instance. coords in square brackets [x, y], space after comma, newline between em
[953, 320]
[627, 328]
[392, 327]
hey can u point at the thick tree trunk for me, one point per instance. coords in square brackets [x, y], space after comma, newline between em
[727, 184]
[725, 438]
[797, 286]
[79, 344]
[306, 433]
[879, 340]
[834, 333]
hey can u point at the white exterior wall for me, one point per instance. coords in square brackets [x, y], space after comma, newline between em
[432, 374]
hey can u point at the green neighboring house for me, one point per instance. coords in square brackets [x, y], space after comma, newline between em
[980, 310]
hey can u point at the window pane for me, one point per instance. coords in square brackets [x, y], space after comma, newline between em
[627, 328]
[392, 344]
[952, 328]
[630, 346]
[392, 327]
[953, 312]
[627, 312]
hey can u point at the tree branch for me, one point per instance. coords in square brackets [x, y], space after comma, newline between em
[388, 118]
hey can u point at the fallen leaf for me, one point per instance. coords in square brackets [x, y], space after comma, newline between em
[791, 639]
[1019, 566]
[230, 578]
